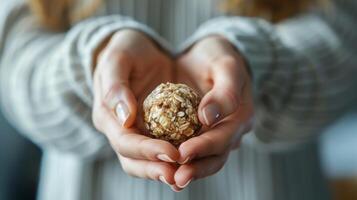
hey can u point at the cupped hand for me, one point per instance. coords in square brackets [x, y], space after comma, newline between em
[128, 67]
[214, 68]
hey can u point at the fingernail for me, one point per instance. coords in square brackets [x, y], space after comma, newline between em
[185, 161]
[162, 179]
[173, 187]
[211, 114]
[186, 184]
[122, 112]
[165, 158]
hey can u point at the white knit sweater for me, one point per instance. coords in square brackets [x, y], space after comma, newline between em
[303, 73]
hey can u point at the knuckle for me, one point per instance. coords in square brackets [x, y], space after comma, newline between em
[231, 94]
[102, 105]
[232, 97]
[108, 103]
[188, 146]
[143, 150]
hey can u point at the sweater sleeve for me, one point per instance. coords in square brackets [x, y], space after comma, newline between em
[303, 69]
[46, 83]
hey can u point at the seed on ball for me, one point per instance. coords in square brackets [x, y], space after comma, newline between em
[170, 113]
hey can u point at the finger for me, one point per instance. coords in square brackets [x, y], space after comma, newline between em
[175, 188]
[160, 171]
[215, 141]
[115, 69]
[131, 143]
[134, 145]
[199, 169]
[223, 99]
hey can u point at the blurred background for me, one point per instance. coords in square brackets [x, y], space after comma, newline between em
[338, 149]
[19, 164]
[20, 161]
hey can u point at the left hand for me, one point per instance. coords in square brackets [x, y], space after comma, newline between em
[215, 69]
[128, 64]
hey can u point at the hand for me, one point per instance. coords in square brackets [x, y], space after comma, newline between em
[215, 69]
[127, 69]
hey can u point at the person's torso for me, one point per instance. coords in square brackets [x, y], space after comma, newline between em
[174, 20]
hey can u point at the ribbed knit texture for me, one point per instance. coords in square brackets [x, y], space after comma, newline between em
[303, 79]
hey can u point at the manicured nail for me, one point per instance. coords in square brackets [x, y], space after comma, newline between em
[165, 158]
[211, 114]
[162, 179]
[186, 184]
[185, 161]
[174, 188]
[122, 112]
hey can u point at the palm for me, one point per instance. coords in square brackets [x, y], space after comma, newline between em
[128, 69]
[195, 76]
[196, 69]
[144, 79]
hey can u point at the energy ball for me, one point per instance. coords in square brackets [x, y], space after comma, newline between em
[170, 113]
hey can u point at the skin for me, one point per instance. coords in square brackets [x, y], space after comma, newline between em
[214, 68]
[127, 70]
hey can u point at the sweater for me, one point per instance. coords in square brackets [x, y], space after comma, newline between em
[303, 76]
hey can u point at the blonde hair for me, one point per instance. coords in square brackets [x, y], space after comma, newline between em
[59, 15]
[272, 10]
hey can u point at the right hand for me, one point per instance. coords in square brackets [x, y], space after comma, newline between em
[128, 68]
[216, 70]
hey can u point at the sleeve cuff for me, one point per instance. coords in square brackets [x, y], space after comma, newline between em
[86, 37]
[252, 37]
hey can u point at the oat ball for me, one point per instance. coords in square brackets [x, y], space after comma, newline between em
[170, 113]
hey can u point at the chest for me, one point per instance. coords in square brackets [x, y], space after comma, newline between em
[174, 20]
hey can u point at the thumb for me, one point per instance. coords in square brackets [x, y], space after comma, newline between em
[216, 105]
[122, 101]
[223, 99]
[117, 94]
